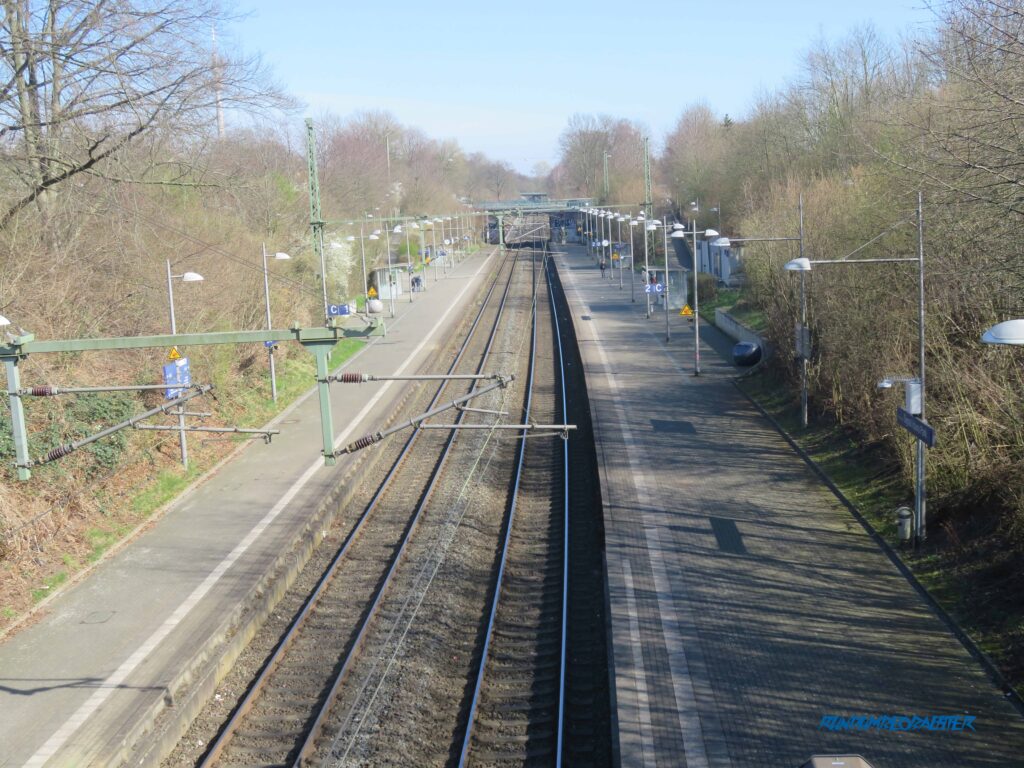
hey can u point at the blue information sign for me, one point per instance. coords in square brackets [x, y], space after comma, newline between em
[177, 377]
[656, 288]
[337, 310]
[916, 427]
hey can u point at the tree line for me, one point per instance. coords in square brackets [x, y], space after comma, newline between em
[864, 125]
[131, 136]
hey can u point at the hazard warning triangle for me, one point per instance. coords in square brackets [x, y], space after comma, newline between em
[174, 354]
[686, 311]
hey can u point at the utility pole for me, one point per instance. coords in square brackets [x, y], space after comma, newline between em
[316, 222]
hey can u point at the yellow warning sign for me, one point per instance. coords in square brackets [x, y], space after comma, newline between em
[372, 292]
[174, 354]
[686, 311]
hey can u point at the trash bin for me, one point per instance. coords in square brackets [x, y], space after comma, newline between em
[746, 353]
[904, 515]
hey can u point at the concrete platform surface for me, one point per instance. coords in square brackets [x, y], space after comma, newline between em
[84, 682]
[747, 606]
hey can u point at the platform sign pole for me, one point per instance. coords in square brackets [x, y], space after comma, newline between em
[17, 417]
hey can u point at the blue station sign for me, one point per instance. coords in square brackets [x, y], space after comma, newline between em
[916, 427]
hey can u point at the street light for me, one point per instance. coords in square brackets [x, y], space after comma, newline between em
[1010, 332]
[408, 251]
[391, 287]
[648, 227]
[279, 256]
[619, 219]
[185, 277]
[804, 265]
[632, 269]
[679, 233]
[362, 252]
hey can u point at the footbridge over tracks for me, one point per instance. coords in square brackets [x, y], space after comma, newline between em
[531, 217]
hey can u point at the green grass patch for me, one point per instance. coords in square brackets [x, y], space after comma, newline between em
[750, 316]
[50, 584]
[724, 299]
[8, 613]
[101, 540]
[168, 484]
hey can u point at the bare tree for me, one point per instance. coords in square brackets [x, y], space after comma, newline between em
[81, 80]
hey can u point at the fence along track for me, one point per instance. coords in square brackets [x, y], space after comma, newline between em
[517, 706]
[274, 714]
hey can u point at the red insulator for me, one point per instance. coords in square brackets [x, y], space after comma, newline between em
[350, 378]
[44, 391]
[58, 453]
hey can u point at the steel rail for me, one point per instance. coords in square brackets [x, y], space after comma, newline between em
[478, 684]
[565, 527]
[309, 745]
[216, 749]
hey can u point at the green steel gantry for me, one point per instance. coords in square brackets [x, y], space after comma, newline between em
[319, 341]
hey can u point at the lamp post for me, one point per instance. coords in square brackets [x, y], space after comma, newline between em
[404, 228]
[391, 282]
[605, 223]
[632, 267]
[433, 245]
[279, 256]
[362, 252]
[185, 277]
[680, 233]
[664, 231]
[619, 219]
[647, 268]
[804, 264]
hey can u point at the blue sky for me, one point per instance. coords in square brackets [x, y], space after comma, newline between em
[504, 78]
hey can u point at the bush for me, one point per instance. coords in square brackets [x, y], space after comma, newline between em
[708, 287]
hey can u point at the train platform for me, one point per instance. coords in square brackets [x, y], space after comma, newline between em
[749, 609]
[107, 668]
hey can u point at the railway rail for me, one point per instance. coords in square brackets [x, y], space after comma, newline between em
[518, 703]
[272, 724]
[444, 624]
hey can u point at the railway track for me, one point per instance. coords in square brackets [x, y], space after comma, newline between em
[279, 719]
[460, 621]
[517, 706]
